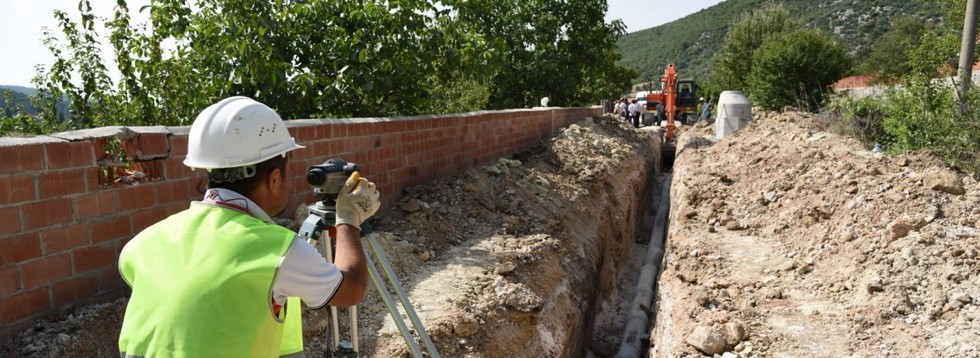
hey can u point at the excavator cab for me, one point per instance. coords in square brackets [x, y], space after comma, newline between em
[686, 93]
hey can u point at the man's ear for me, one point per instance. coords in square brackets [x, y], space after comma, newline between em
[275, 179]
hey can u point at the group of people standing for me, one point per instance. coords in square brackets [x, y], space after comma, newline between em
[632, 111]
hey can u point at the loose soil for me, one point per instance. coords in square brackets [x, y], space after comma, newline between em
[814, 246]
[785, 240]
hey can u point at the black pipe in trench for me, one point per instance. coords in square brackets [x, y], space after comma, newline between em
[637, 328]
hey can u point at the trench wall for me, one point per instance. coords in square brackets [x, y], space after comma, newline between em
[70, 201]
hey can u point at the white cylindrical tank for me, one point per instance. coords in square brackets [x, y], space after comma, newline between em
[734, 113]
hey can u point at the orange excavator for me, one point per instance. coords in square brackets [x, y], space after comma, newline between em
[678, 97]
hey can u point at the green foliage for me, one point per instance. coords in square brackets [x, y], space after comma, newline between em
[795, 68]
[323, 58]
[460, 95]
[925, 112]
[927, 116]
[888, 59]
[562, 50]
[859, 118]
[931, 114]
[734, 64]
[937, 55]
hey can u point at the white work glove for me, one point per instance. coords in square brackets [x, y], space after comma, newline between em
[357, 201]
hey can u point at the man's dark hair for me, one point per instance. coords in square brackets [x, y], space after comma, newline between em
[248, 185]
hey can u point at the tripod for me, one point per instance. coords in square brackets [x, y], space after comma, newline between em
[321, 218]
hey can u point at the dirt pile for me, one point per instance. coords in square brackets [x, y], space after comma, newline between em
[529, 256]
[786, 240]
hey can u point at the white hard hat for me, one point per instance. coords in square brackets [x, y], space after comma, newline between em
[236, 132]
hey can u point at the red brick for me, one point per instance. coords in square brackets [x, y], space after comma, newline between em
[178, 146]
[47, 213]
[175, 169]
[170, 191]
[111, 229]
[152, 169]
[70, 155]
[93, 177]
[96, 204]
[296, 169]
[24, 305]
[21, 158]
[303, 134]
[46, 270]
[147, 146]
[94, 257]
[110, 279]
[17, 188]
[136, 197]
[10, 221]
[19, 248]
[144, 218]
[9, 280]
[194, 189]
[128, 147]
[64, 239]
[61, 183]
[74, 290]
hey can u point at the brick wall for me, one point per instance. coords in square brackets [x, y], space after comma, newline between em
[70, 201]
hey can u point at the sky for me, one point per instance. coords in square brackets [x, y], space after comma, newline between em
[21, 23]
[644, 14]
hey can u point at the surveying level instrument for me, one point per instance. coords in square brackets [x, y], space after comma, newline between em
[327, 179]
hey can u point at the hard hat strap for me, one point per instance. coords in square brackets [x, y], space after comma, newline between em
[230, 175]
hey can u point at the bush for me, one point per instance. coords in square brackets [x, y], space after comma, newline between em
[858, 118]
[926, 115]
[796, 68]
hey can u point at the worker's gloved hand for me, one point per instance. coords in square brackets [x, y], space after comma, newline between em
[357, 201]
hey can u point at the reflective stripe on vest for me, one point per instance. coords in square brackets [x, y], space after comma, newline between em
[202, 282]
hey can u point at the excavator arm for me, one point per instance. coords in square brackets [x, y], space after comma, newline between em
[669, 80]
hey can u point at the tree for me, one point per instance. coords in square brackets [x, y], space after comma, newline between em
[929, 113]
[796, 68]
[560, 49]
[889, 56]
[303, 58]
[734, 62]
[341, 58]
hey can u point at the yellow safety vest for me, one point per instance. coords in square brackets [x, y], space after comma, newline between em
[292, 340]
[202, 286]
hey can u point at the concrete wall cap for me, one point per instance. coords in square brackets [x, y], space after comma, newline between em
[16, 141]
[87, 134]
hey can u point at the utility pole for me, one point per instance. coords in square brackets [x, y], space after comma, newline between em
[966, 46]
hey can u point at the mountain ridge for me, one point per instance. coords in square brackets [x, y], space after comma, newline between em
[692, 41]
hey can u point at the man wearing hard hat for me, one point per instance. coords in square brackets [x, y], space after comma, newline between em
[220, 279]
[705, 110]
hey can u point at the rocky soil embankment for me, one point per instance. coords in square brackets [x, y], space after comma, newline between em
[789, 241]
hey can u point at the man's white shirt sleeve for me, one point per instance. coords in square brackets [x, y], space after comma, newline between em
[304, 273]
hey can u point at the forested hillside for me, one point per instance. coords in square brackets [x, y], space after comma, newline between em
[18, 97]
[692, 41]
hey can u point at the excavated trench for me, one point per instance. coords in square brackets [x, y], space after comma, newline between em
[533, 269]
